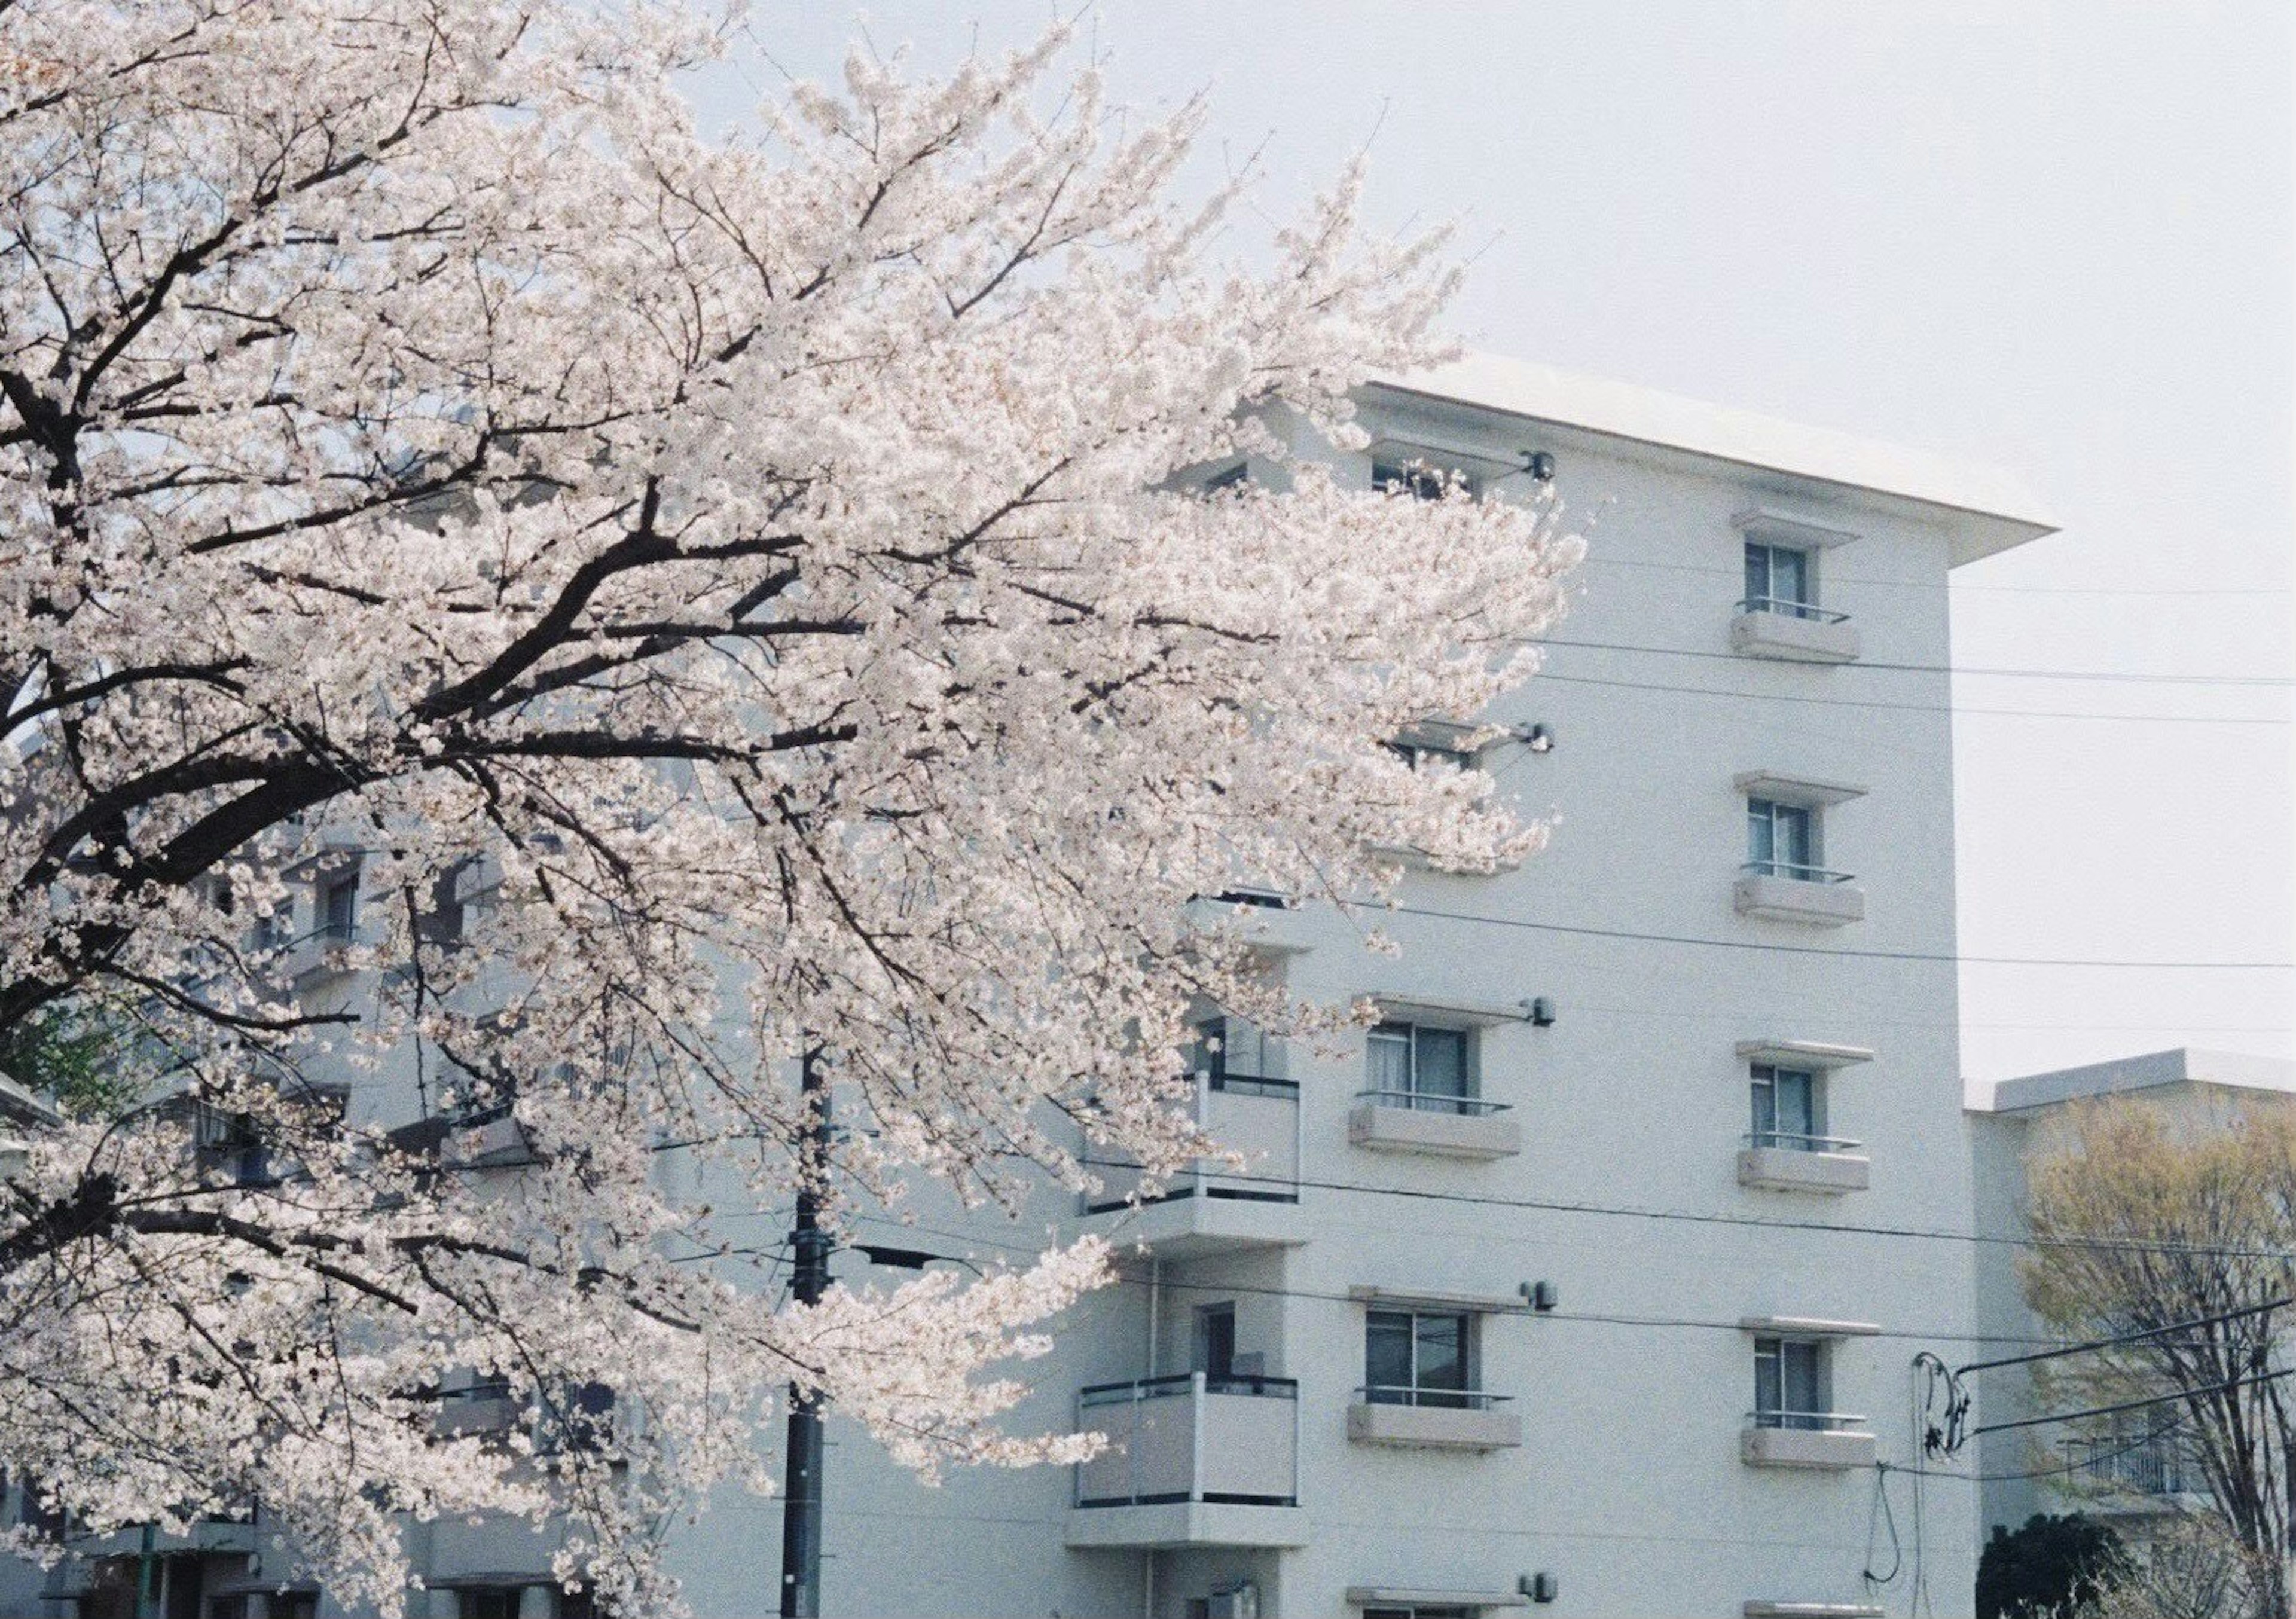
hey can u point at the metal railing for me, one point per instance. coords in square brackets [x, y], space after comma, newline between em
[1795, 1140]
[1806, 1422]
[1786, 607]
[1432, 1101]
[1795, 871]
[1253, 1085]
[1183, 1382]
[1434, 1399]
[2141, 1466]
[1233, 1108]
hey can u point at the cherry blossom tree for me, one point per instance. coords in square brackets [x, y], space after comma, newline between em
[740, 602]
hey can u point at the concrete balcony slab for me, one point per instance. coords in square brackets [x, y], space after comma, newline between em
[1434, 1427]
[1448, 1135]
[1792, 640]
[1167, 1525]
[1786, 1169]
[1786, 899]
[1809, 1447]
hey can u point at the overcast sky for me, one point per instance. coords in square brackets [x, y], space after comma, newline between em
[2053, 236]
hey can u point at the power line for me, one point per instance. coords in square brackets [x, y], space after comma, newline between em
[1924, 584]
[1845, 702]
[1940, 668]
[1820, 950]
[1754, 1222]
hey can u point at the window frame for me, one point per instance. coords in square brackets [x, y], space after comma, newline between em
[343, 884]
[1463, 1395]
[1775, 1410]
[1772, 1077]
[1761, 580]
[1411, 1096]
[1766, 818]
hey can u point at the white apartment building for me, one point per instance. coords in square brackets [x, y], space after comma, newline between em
[2135, 1473]
[1528, 1298]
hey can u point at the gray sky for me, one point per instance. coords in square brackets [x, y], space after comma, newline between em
[2056, 236]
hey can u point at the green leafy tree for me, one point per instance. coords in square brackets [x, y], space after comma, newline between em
[2054, 1567]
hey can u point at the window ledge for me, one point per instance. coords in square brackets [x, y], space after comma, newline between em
[1802, 1053]
[1434, 1427]
[1785, 899]
[1805, 790]
[1451, 1135]
[1791, 1170]
[1785, 638]
[1806, 1326]
[1774, 1447]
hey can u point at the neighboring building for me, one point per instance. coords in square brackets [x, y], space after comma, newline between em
[2136, 1471]
[1415, 1360]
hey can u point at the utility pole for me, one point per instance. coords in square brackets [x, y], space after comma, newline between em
[810, 1258]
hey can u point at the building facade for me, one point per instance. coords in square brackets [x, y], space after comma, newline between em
[1577, 1284]
[2133, 1471]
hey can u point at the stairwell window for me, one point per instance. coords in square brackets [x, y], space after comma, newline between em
[1421, 1066]
[1416, 1358]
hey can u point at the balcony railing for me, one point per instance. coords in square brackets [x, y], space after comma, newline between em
[1790, 1141]
[1431, 1399]
[1254, 1114]
[1786, 607]
[1191, 1437]
[1795, 872]
[1806, 1422]
[1426, 1101]
[2139, 1466]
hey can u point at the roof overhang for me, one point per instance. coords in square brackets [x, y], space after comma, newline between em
[1993, 511]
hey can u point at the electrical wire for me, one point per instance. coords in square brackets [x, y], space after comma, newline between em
[1842, 952]
[2118, 675]
[1599, 560]
[1956, 708]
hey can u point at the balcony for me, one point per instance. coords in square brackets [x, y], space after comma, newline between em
[1444, 1126]
[1211, 1205]
[1770, 627]
[1192, 1461]
[491, 1139]
[319, 957]
[2132, 1475]
[1777, 1160]
[480, 1408]
[1777, 891]
[1433, 1419]
[1823, 1440]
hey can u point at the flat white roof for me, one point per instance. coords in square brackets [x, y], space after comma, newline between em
[2181, 1067]
[1620, 410]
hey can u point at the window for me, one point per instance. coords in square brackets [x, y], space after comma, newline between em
[1414, 1359]
[1414, 1066]
[1789, 1108]
[1781, 840]
[1214, 1352]
[489, 1602]
[1779, 580]
[1235, 478]
[1419, 755]
[1416, 478]
[1790, 1380]
[338, 908]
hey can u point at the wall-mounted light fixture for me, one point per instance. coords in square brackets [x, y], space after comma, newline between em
[1539, 464]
